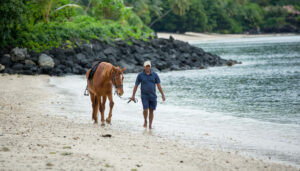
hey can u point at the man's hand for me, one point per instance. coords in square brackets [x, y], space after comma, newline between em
[133, 93]
[163, 98]
[132, 98]
[161, 92]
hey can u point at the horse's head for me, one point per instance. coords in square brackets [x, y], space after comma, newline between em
[117, 79]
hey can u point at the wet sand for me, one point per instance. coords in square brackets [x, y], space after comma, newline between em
[32, 137]
[193, 37]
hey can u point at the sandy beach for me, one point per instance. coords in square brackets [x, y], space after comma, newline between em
[196, 37]
[34, 138]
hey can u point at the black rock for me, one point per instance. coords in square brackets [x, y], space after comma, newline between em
[17, 66]
[165, 55]
[45, 70]
[5, 60]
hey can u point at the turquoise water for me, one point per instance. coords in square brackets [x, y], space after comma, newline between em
[253, 108]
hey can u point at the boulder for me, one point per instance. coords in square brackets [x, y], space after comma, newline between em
[5, 60]
[2, 67]
[17, 66]
[29, 62]
[229, 63]
[27, 72]
[45, 70]
[80, 57]
[129, 66]
[70, 52]
[18, 54]
[88, 48]
[46, 61]
[110, 51]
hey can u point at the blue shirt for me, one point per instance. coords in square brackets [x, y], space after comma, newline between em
[148, 82]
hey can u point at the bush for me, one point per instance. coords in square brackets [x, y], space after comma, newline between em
[44, 36]
[10, 21]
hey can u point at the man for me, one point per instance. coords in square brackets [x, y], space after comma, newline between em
[148, 79]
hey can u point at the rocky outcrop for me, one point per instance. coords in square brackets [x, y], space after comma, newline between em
[165, 54]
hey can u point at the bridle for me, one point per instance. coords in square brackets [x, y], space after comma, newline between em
[113, 79]
[114, 75]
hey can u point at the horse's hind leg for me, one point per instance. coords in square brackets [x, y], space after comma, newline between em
[111, 105]
[102, 108]
[95, 107]
[102, 113]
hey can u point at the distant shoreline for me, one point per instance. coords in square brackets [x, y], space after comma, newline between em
[198, 37]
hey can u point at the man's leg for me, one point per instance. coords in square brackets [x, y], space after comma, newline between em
[145, 112]
[145, 102]
[150, 118]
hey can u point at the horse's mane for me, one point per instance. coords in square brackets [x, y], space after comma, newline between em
[107, 69]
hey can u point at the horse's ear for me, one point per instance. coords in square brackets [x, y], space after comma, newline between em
[124, 69]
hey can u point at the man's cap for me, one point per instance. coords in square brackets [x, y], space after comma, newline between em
[147, 63]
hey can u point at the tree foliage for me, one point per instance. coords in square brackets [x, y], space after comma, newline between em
[42, 24]
[11, 20]
[230, 16]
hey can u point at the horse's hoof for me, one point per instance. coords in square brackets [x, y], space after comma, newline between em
[102, 124]
[108, 121]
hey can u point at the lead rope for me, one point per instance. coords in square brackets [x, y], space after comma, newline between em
[86, 91]
[129, 99]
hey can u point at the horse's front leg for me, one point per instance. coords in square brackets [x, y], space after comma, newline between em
[111, 105]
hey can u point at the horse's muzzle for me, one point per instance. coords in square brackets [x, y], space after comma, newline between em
[119, 92]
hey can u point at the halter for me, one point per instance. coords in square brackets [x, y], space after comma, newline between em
[114, 81]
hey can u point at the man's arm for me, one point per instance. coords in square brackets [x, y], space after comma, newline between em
[161, 92]
[134, 91]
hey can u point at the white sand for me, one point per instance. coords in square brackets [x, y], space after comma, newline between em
[31, 138]
[196, 37]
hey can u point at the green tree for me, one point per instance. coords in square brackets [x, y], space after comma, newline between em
[179, 7]
[274, 17]
[45, 7]
[48, 6]
[195, 18]
[145, 9]
[253, 15]
[12, 12]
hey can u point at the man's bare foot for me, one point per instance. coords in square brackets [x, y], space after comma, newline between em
[145, 125]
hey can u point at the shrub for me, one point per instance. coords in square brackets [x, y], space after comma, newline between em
[44, 36]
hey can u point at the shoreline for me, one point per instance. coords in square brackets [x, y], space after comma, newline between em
[192, 37]
[30, 131]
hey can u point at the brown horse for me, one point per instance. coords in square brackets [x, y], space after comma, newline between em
[100, 88]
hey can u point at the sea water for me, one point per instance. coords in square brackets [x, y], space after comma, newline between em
[253, 107]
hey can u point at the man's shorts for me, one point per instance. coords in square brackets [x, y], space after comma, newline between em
[149, 103]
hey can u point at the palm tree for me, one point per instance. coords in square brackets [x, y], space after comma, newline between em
[47, 5]
[178, 7]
